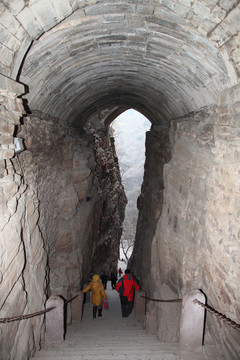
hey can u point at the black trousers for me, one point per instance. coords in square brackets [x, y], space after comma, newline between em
[113, 284]
[126, 306]
[97, 308]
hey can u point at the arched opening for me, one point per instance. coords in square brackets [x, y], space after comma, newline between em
[175, 62]
[129, 131]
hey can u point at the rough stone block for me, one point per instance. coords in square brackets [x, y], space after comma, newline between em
[200, 9]
[55, 319]
[192, 321]
[10, 85]
[140, 305]
[6, 127]
[181, 10]
[62, 8]
[110, 9]
[114, 18]
[78, 4]
[33, 28]
[6, 139]
[45, 13]
[15, 6]
[77, 307]
[6, 154]
[6, 19]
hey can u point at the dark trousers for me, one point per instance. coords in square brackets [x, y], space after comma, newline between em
[97, 308]
[126, 306]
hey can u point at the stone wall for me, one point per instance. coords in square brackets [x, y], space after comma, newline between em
[197, 237]
[62, 207]
[221, 266]
[150, 201]
[113, 198]
[62, 166]
[164, 58]
[79, 192]
[23, 255]
[181, 229]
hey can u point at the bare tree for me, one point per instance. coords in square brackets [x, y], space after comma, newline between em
[129, 230]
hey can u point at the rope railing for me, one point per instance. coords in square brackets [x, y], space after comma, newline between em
[218, 315]
[74, 297]
[28, 316]
[23, 317]
[159, 300]
[208, 308]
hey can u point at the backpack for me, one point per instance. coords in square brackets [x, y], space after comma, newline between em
[121, 288]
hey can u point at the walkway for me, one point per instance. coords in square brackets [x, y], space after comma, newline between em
[113, 338]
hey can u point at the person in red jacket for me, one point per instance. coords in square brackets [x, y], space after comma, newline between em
[126, 287]
[120, 272]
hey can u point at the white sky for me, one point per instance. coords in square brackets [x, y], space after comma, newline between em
[129, 131]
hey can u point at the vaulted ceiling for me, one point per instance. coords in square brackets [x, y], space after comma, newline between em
[163, 58]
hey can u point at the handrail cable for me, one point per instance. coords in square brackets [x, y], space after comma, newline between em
[23, 317]
[219, 315]
[208, 308]
[159, 300]
[74, 297]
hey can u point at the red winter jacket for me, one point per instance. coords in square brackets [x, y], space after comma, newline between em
[129, 286]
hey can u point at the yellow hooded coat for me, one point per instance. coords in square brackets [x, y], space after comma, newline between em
[98, 292]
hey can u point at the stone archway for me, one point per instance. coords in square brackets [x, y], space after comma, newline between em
[78, 61]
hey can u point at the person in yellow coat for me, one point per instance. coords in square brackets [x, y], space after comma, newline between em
[98, 294]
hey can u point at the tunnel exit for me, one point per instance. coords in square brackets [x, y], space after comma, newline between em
[129, 131]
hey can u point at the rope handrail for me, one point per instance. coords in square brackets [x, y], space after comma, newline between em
[208, 308]
[159, 300]
[218, 315]
[23, 317]
[74, 297]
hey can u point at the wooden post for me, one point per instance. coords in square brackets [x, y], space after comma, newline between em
[55, 320]
[192, 321]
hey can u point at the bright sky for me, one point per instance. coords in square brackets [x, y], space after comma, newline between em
[129, 131]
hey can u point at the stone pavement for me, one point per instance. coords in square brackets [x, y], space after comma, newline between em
[112, 337]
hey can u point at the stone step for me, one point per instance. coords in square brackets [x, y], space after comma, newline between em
[117, 345]
[208, 352]
[114, 338]
[111, 339]
[138, 356]
[112, 357]
[107, 351]
[101, 352]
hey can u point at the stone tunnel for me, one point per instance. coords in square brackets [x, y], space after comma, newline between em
[68, 69]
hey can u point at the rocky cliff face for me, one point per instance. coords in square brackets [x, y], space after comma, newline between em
[23, 255]
[62, 211]
[61, 165]
[81, 199]
[113, 199]
[185, 236]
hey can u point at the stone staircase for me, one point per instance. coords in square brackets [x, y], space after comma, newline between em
[112, 337]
